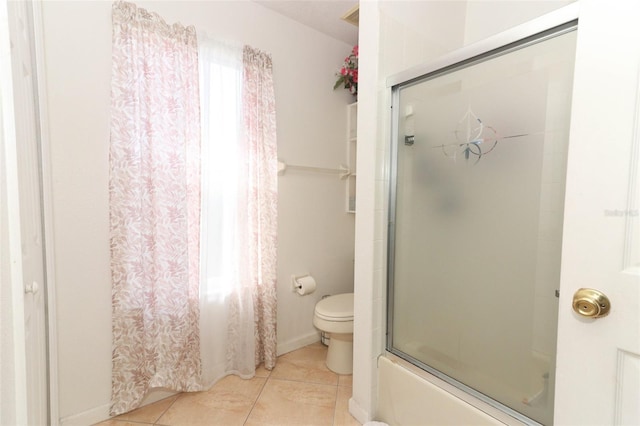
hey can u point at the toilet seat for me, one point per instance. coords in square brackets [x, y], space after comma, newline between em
[338, 308]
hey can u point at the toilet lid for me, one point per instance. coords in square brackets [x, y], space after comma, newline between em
[336, 308]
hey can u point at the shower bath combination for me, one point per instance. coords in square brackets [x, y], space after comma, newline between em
[477, 198]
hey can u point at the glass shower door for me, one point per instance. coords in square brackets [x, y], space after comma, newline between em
[477, 209]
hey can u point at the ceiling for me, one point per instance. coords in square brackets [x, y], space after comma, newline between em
[322, 15]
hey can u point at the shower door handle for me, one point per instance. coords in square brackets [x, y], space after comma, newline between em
[591, 303]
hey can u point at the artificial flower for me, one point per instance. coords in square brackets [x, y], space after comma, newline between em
[348, 74]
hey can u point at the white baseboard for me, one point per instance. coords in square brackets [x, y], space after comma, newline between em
[101, 413]
[89, 417]
[298, 342]
[358, 412]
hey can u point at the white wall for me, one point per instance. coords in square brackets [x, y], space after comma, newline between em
[485, 18]
[315, 234]
[400, 35]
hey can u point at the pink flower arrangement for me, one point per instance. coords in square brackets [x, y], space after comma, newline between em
[348, 75]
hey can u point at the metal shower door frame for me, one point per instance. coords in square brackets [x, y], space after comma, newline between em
[548, 26]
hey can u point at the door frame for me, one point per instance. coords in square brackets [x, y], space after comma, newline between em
[47, 206]
[13, 264]
[33, 13]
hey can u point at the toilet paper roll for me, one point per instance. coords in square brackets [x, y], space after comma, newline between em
[305, 285]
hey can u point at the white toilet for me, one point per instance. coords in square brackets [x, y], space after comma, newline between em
[334, 315]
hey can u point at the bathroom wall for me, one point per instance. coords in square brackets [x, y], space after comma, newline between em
[315, 233]
[485, 18]
[400, 35]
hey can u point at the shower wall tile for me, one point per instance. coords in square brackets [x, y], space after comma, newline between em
[377, 342]
[382, 160]
[379, 232]
[377, 317]
[380, 200]
[391, 55]
[378, 253]
[378, 283]
[365, 198]
[385, 153]
[414, 32]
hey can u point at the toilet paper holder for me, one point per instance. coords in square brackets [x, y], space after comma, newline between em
[294, 283]
[297, 284]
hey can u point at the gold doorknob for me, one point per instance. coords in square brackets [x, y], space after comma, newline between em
[591, 303]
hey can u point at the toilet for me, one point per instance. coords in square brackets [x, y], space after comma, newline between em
[334, 315]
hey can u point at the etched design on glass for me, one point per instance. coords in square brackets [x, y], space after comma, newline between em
[474, 138]
[471, 133]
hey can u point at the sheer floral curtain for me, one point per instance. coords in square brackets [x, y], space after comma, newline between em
[221, 102]
[193, 222]
[239, 210]
[261, 192]
[154, 193]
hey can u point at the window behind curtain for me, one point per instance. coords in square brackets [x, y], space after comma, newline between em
[221, 84]
[239, 210]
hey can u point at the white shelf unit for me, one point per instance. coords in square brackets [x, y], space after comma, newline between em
[352, 149]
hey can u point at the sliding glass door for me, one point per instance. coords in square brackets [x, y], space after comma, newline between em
[478, 181]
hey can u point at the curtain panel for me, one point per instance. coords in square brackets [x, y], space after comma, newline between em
[239, 205]
[154, 191]
[260, 169]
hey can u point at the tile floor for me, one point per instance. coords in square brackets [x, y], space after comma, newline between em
[300, 390]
